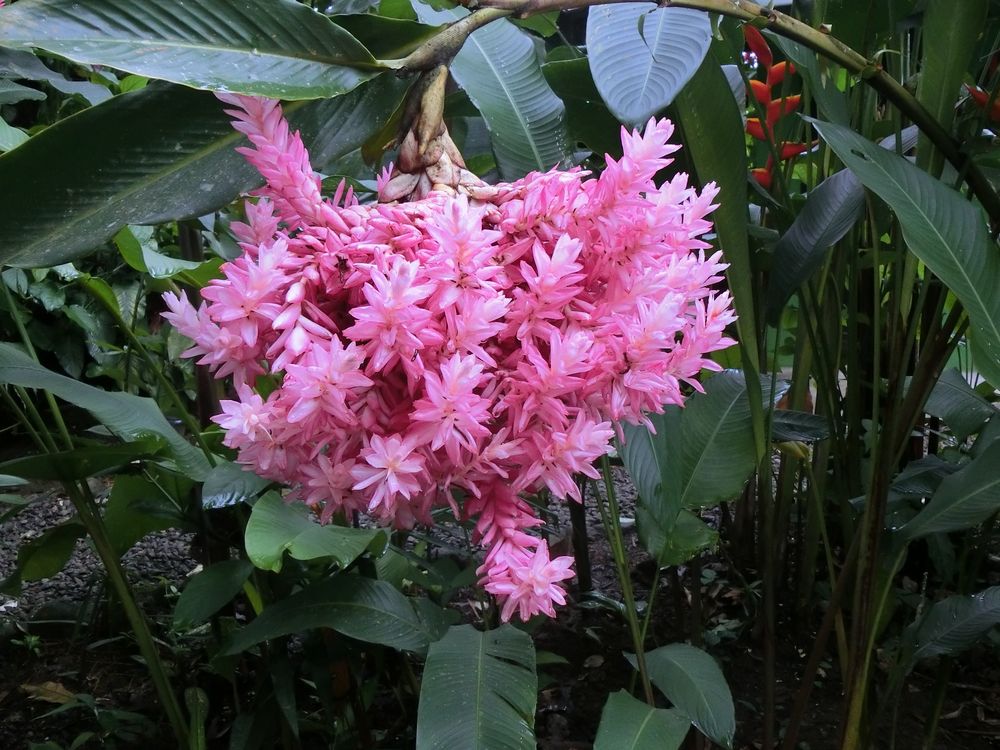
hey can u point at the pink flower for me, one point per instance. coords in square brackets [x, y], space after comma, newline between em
[490, 343]
[391, 469]
[528, 584]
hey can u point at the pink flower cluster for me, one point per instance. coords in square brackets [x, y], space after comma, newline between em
[455, 351]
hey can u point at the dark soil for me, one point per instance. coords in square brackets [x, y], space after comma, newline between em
[587, 634]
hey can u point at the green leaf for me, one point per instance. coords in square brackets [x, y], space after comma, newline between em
[708, 116]
[639, 71]
[276, 526]
[141, 254]
[12, 93]
[830, 211]
[946, 56]
[943, 229]
[955, 402]
[389, 38]
[798, 426]
[228, 484]
[129, 417]
[687, 537]
[630, 724]
[361, 608]
[498, 68]
[587, 118]
[11, 137]
[700, 455]
[276, 48]
[964, 499]
[954, 624]
[154, 155]
[24, 65]
[693, 682]
[210, 590]
[136, 507]
[478, 691]
[48, 554]
[79, 463]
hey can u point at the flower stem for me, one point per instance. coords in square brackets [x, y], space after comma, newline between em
[611, 517]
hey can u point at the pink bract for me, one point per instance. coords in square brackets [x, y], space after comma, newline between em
[454, 351]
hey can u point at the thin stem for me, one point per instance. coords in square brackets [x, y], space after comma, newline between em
[610, 516]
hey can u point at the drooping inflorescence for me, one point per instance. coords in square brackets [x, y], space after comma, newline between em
[457, 351]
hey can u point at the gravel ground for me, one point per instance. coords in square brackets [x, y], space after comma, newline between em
[160, 556]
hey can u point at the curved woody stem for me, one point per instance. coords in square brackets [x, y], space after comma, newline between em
[442, 47]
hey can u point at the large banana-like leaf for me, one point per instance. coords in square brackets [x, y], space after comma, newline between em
[943, 229]
[642, 57]
[277, 48]
[164, 152]
[699, 456]
[954, 624]
[693, 682]
[963, 499]
[630, 724]
[828, 214]
[129, 417]
[955, 401]
[499, 70]
[478, 691]
[363, 608]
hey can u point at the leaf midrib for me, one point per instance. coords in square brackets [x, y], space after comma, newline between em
[253, 52]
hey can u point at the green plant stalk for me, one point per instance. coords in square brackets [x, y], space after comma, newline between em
[610, 517]
[90, 515]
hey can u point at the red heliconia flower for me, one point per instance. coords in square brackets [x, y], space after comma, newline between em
[777, 72]
[758, 45]
[756, 129]
[763, 176]
[778, 108]
[790, 149]
[982, 100]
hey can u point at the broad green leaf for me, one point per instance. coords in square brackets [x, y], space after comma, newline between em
[798, 426]
[8, 480]
[129, 417]
[12, 93]
[630, 724]
[137, 507]
[48, 554]
[829, 212]
[498, 68]
[228, 484]
[958, 405]
[277, 48]
[79, 463]
[389, 38]
[693, 682]
[641, 57]
[947, 53]
[361, 608]
[954, 624]
[922, 477]
[700, 455]
[707, 115]
[587, 118]
[945, 231]
[24, 65]
[154, 155]
[966, 498]
[276, 527]
[11, 137]
[138, 248]
[687, 537]
[478, 691]
[210, 590]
